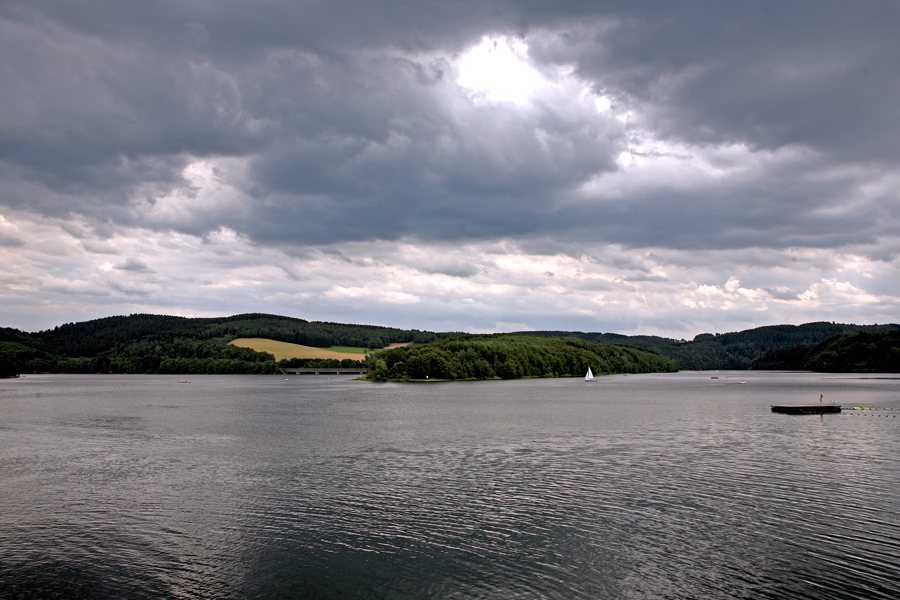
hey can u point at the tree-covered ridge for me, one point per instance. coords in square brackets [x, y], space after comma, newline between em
[508, 356]
[144, 343]
[157, 343]
[736, 350]
[862, 352]
[92, 337]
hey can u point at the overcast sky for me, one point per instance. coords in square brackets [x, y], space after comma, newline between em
[670, 167]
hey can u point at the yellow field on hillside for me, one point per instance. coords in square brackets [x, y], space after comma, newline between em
[284, 350]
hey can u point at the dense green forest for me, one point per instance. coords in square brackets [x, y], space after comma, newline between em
[861, 352]
[725, 351]
[508, 356]
[163, 344]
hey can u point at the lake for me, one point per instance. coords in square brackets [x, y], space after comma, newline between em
[641, 486]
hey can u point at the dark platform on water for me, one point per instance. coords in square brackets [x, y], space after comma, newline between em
[815, 409]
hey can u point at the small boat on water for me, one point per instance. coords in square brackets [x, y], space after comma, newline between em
[590, 376]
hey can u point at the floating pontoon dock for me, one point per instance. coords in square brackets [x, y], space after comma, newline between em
[814, 409]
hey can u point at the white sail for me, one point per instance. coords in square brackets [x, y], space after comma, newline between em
[589, 376]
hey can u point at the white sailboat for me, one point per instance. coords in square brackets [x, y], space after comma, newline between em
[590, 376]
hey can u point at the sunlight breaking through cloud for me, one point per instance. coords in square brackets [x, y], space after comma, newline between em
[499, 69]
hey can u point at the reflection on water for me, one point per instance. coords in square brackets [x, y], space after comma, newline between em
[651, 486]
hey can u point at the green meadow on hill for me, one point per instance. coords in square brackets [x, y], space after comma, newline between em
[286, 350]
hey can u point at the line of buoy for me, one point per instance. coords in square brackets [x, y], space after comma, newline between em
[867, 415]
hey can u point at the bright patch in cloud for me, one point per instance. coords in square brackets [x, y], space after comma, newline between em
[499, 69]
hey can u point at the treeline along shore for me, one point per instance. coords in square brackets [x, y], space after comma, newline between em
[144, 343]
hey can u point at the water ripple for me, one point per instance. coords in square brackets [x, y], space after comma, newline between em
[645, 487]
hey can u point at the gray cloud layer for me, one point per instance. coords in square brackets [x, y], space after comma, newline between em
[301, 124]
[336, 107]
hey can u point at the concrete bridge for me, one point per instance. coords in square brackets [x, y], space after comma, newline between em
[324, 371]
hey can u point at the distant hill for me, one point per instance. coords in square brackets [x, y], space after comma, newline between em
[507, 356]
[142, 343]
[861, 352]
[735, 350]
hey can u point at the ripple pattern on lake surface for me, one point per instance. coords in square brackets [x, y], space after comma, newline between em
[652, 486]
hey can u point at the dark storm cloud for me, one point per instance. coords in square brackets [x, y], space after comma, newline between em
[392, 161]
[821, 74]
[10, 241]
[350, 126]
[783, 293]
[135, 265]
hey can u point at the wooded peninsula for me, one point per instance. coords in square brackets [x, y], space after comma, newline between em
[143, 343]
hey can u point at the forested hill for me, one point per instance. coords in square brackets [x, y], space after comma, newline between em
[727, 350]
[508, 356]
[861, 352]
[144, 343]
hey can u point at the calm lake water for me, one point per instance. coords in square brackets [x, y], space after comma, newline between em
[641, 486]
